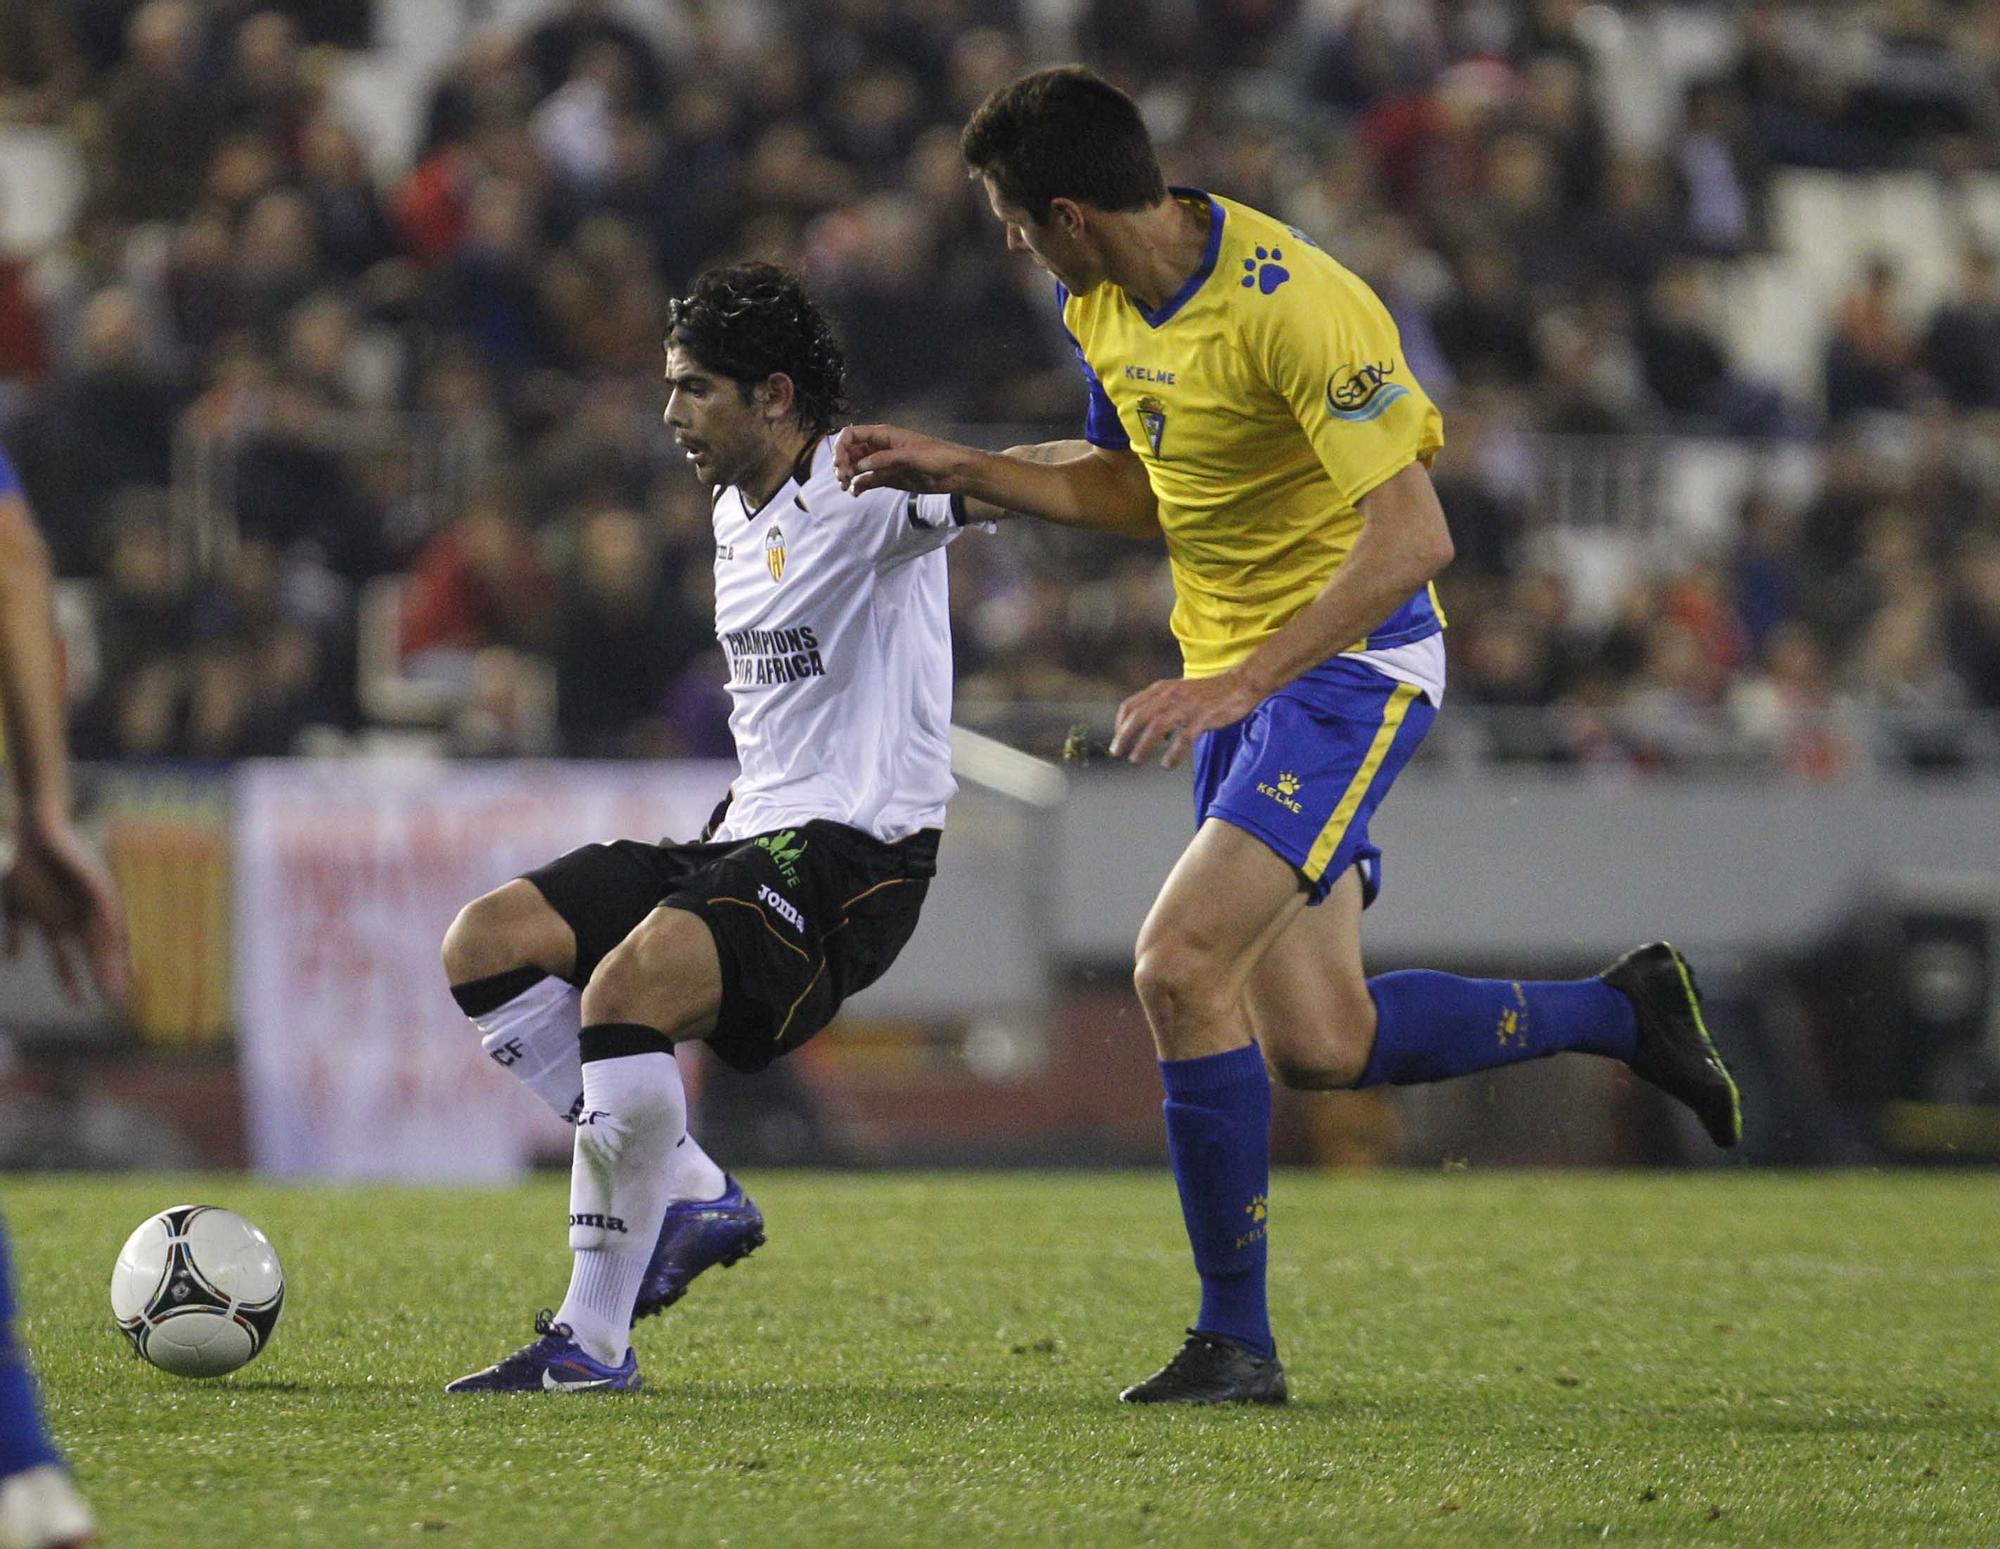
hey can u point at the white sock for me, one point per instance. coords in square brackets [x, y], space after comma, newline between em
[692, 1173]
[534, 1037]
[634, 1113]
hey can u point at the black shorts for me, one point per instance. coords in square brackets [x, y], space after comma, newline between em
[802, 918]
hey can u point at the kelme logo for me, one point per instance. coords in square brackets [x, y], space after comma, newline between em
[1284, 793]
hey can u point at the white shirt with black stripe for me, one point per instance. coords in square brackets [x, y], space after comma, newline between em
[831, 611]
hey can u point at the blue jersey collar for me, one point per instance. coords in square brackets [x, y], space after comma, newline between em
[1203, 270]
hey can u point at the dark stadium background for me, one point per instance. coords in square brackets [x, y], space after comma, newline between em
[329, 355]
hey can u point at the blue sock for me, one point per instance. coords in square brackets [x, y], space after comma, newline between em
[24, 1443]
[1219, 1135]
[1433, 1026]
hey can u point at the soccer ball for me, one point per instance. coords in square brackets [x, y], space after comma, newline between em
[197, 1290]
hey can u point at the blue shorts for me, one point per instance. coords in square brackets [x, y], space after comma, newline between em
[1307, 768]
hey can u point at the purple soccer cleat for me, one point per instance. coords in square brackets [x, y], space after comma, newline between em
[696, 1235]
[554, 1363]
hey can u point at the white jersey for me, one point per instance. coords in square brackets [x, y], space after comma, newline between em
[831, 610]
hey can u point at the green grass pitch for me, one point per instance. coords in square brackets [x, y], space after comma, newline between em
[1475, 1359]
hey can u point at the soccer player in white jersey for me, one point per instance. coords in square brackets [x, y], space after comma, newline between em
[584, 975]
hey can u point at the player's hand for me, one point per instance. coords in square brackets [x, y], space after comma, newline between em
[869, 457]
[58, 886]
[1175, 711]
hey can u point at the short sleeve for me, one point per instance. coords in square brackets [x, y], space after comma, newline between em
[10, 481]
[908, 525]
[1335, 355]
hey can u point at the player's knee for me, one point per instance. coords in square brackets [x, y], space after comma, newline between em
[620, 988]
[474, 945]
[1177, 983]
[511, 927]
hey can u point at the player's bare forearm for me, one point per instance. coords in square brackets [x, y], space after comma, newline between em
[30, 674]
[1071, 483]
[1403, 544]
[1104, 495]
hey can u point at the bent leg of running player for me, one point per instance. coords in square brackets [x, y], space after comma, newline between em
[1324, 1025]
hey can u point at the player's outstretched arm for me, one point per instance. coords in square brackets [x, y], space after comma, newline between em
[1072, 483]
[55, 883]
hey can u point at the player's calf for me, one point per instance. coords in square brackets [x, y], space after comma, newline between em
[1329, 1068]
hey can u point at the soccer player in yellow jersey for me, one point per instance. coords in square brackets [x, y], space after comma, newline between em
[1250, 401]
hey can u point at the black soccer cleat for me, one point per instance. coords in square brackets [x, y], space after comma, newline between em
[1210, 1370]
[1675, 1050]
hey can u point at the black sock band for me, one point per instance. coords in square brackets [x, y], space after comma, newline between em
[615, 1040]
[476, 997]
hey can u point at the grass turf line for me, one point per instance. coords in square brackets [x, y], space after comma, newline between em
[1476, 1359]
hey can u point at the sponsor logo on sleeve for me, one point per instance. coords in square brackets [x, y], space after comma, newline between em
[1361, 393]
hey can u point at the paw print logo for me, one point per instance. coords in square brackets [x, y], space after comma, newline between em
[1288, 783]
[1258, 1208]
[1265, 271]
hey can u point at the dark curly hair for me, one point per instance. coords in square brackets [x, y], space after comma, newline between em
[750, 321]
[1064, 134]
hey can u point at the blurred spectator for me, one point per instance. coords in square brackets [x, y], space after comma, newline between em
[353, 229]
[1868, 363]
[1972, 616]
[624, 630]
[1720, 181]
[478, 583]
[104, 422]
[265, 90]
[555, 49]
[161, 118]
[1962, 345]
[1764, 570]
[43, 69]
[1903, 672]
[1487, 329]
[1789, 711]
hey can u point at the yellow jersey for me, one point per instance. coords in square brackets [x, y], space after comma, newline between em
[1265, 398]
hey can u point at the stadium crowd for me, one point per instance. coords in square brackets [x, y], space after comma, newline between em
[448, 373]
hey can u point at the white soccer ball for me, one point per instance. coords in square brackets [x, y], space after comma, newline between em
[197, 1289]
